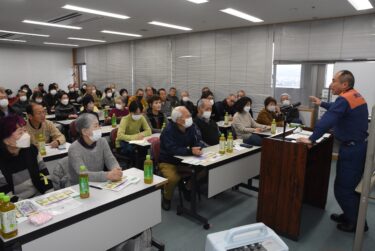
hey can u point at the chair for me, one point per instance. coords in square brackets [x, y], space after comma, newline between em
[60, 175]
[123, 160]
[73, 134]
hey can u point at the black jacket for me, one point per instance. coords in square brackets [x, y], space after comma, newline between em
[62, 112]
[209, 131]
[221, 108]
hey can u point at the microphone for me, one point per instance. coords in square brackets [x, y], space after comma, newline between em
[288, 107]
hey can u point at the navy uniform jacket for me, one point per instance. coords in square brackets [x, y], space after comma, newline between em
[348, 116]
[174, 142]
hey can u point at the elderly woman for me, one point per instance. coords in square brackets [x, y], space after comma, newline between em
[65, 110]
[271, 111]
[93, 152]
[24, 171]
[244, 125]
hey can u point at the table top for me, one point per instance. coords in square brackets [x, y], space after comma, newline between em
[144, 141]
[98, 202]
[221, 124]
[50, 116]
[279, 131]
[56, 153]
[106, 130]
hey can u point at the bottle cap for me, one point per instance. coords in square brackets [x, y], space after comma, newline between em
[1, 196]
[222, 135]
[6, 198]
[82, 168]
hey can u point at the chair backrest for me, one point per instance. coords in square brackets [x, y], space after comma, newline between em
[73, 131]
[60, 175]
[155, 150]
[112, 138]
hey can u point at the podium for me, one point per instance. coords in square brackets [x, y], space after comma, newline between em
[292, 174]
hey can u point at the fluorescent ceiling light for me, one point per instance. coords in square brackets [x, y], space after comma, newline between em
[121, 33]
[361, 4]
[243, 15]
[87, 39]
[170, 26]
[198, 1]
[12, 40]
[52, 24]
[97, 12]
[24, 33]
[189, 56]
[73, 45]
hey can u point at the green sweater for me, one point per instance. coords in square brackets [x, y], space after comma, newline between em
[129, 129]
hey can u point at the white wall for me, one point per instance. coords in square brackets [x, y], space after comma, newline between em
[31, 64]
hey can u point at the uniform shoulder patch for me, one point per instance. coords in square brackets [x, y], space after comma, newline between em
[354, 98]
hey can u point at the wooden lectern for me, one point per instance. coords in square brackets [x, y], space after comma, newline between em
[292, 174]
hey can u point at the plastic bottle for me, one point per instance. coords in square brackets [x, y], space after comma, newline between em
[226, 119]
[230, 143]
[114, 120]
[1, 204]
[222, 144]
[105, 112]
[148, 170]
[83, 183]
[8, 219]
[273, 127]
[42, 144]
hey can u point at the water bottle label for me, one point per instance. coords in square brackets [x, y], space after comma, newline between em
[8, 221]
[83, 186]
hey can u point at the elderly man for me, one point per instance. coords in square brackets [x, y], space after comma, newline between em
[37, 124]
[166, 107]
[348, 116]
[207, 126]
[180, 137]
[293, 116]
[225, 106]
[185, 101]
[172, 97]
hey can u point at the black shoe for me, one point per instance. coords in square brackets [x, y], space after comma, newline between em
[349, 228]
[339, 218]
[166, 204]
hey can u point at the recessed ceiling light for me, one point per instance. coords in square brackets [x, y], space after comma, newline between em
[12, 40]
[97, 12]
[170, 26]
[87, 39]
[243, 15]
[189, 56]
[52, 24]
[198, 1]
[49, 43]
[361, 4]
[121, 33]
[24, 33]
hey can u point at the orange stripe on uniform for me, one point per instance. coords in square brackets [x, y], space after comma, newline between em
[354, 98]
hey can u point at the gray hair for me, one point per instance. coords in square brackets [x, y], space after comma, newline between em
[176, 113]
[202, 102]
[84, 121]
[285, 94]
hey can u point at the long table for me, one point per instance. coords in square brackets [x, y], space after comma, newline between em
[101, 222]
[56, 153]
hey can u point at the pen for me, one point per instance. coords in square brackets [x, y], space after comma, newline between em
[95, 187]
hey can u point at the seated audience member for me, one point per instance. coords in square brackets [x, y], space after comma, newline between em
[114, 91]
[132, 127]
[244, 125]
[155, 118]
[91, 90]
[241, 94]
[73, 93]
[11, 97]
[172, 97]
[166, 107]
[125, 97]
[225, 106]
[41, 89]
[269, 112]
[37, 124]
[182, 138]
[65, 110]
[108, 99]
[50, 99]
[139, 99]
[206, 125]
[149, 92]
[293, 113]
[205, 89]
[26, 89]
[5, 108]
[21, 104]
[93, 152]
[96, 92]
[185, 101]
[23, 168]
[120, 110]
[88, 105]
[83, 89]
[37, 97]
[211, 98]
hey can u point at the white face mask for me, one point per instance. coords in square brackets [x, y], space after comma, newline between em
[185, 99]
[96, 135]
[271, 108]
[206, 114]
[24, 90]
[71, 89]
[76, 89]
[118, 106]
[113, 89]
[188, 122]
[39, 100]
[136, 116]
[4, 103]
[53, 92]
[125, 94]
[23, 98]
[247, 108]
[286, 102]
[84, 87]
[94, 91]
[212, 102]
[109, 94]
[11, 96]
[24, 141]
[64, 101]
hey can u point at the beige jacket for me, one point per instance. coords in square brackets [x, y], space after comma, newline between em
[244, 125]
[49, 130]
